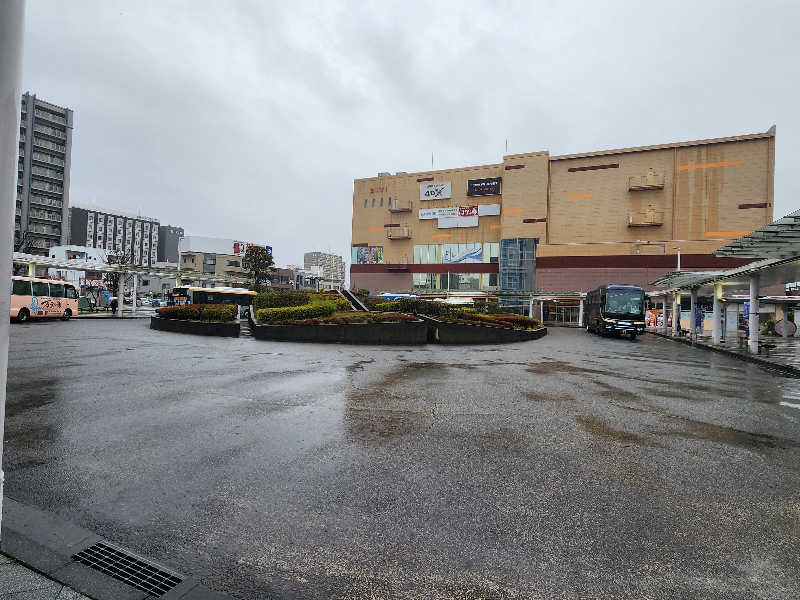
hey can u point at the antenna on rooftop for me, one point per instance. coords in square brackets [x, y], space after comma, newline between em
[506, 145]
[431, 161]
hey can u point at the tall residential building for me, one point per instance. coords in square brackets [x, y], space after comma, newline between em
[131, 235]
[562, 223]
[45, 146]
[169, 238]
[332, 264]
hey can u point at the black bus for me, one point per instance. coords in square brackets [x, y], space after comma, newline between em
[615, 310]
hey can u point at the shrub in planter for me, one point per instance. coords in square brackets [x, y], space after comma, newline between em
[200, 312]
[281, 298]
[289, 313]
[337, 299]
[390, 306]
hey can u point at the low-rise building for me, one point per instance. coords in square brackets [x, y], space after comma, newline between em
[213, 257]
[332, 265]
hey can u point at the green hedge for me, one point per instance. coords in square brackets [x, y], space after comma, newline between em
[281, 298]
[391, 306]
[289, 313]
[200, 312]
[336, 298]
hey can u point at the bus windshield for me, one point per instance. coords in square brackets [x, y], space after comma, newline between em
[624, 302]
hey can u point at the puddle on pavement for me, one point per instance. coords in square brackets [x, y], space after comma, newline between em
[616, 393]
[699, 430]
[558, 366]
[359, 366]
[543, 397]
[602, 429]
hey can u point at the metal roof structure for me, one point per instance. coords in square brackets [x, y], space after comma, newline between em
[780, 239]
[90, 265]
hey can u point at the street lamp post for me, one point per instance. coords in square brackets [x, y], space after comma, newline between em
[12, 19]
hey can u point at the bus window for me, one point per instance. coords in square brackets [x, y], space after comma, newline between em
[40, 289]
[70, 292]
[56, 290]
[20, 287]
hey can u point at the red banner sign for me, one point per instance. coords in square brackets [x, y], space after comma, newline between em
[468, 211]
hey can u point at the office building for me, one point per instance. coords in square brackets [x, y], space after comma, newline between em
[562, 223]
[332, 264]
[169, 238]
[45, 147]
[132, 236]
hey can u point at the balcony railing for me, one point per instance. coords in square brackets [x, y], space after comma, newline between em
[651, 181]
[43, 114]
[50, 131]
[401, 206]
[398, 233]
[646, 219]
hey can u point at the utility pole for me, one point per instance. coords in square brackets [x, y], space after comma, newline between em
[12, 21]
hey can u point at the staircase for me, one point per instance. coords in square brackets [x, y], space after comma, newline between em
[355, 302]
[244, 328]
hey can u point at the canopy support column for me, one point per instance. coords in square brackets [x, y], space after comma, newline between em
[692, 317]
[580, 314]
[530, 306]
[133, 293]
[120, 292]
[676, 313]
[753, 314]
[664, 328]
[716, 325]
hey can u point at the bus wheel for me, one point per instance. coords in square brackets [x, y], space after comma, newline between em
[23, 315]
[67, 314]
[632, 337]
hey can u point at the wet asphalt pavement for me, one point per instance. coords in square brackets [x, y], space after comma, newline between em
[570, 467]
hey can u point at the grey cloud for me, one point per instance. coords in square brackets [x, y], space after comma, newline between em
[250, 119]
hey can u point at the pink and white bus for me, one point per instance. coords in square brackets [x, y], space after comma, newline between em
[32, 297]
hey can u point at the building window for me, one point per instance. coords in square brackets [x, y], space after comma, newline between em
[234, 263]
[381, 200]
[389, 204]
[365, 203]
[373, 203]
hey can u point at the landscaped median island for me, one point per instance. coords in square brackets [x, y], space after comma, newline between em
[299, 316]
[202, 319]
[479, 324]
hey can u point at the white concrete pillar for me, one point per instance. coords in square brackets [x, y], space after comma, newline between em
[664, 328]
[716, 325]
[692, 321]
[541, 311]
[580, 314]
[753, 318]
[120, 293]
[134, 292]
[676, 312]
[12, 27]
[530, 307]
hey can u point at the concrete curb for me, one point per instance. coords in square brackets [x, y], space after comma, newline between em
[46, 543]
[764, 364]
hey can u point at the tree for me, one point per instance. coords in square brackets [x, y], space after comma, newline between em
[259, 265]
[111, 280]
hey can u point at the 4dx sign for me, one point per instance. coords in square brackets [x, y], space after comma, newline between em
[435, 191]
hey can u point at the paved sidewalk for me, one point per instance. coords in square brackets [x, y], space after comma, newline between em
[18, 582]
[784, 357]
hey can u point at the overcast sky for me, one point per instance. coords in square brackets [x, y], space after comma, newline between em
[250, 120]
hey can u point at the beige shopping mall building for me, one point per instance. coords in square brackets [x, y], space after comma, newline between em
[610, 216]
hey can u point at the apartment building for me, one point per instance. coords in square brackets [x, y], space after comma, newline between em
[332, 264]
[562, 223]
[45, 147]
[130, 235]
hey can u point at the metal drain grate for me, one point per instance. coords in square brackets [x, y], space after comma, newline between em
[128, 568]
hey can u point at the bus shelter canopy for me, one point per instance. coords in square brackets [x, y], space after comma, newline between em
[780, 240]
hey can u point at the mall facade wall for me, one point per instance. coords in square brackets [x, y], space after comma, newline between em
[579, 220]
